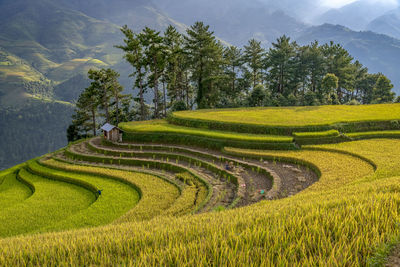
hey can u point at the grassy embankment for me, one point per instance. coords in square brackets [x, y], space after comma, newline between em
[342, 219]
[348, 218]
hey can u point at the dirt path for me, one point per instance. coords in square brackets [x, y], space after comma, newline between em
[250, 179]
[291, 179]
[223, 192]
[394, 258]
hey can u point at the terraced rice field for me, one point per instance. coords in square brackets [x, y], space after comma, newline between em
[13, 191]
[174, 203]
[297, 116]
[161, 126]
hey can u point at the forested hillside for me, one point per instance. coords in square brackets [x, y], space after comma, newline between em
[32, 130]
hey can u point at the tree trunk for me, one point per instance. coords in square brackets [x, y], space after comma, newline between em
[187, 89]
[339, 94]
[105, 102]
[155, 88]
[233, 79]
[281, 80]
[254, 78]
[200, 87]
[165, 100]
[141, 97]
[94, 121]
[117, 104]
[141, 90]
[181, 87]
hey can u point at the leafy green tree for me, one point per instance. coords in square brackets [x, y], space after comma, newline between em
[124, 112]
[176, 66]
[361, 73]
[310, 68]
[328, 86]
[155, 59]
[86, 109]
[179, 106]
[100, 86]
[311, 99]
[365, 86]
[109, 90]
[231, 87]
[316, 66]
[281, 62]
[205, 59]
[382, 92]
[253, 56]
[134, 55]
[115, 89]
[257, 96]
[73, 133]
[339, 62]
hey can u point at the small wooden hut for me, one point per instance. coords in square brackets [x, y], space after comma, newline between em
[112, 133]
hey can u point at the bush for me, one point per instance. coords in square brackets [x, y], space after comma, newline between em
[179, 106]
[172, 138]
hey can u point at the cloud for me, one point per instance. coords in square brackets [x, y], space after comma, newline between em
[340, 3]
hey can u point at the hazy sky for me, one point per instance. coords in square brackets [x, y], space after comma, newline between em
[339, 3]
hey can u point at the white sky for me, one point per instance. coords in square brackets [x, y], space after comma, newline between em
[339, 3]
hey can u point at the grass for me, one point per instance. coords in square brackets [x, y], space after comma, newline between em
[297, 116]
[116, 199]
[192, 196]
[52, 201]
[161, 126]
[374, 134]
[348, 218]
[346, 167]
[316, 134]
[157, 194]
[13, 191]
[383, 152]
[340, 220]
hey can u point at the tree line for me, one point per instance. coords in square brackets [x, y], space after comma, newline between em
[196, 70]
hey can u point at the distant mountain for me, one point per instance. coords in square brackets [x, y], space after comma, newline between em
[356, 15]
[388, 23]
[58, 38]
[135, 13]
[378, 52]
[51, 42]
[46, 49]
[235, 21]
[304, 10]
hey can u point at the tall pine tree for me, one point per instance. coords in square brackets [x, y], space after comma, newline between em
[205, 56]
[134, 55]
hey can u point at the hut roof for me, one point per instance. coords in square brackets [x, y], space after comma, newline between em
[109, 127]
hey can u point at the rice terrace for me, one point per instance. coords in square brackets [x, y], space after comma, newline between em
[268, 190]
